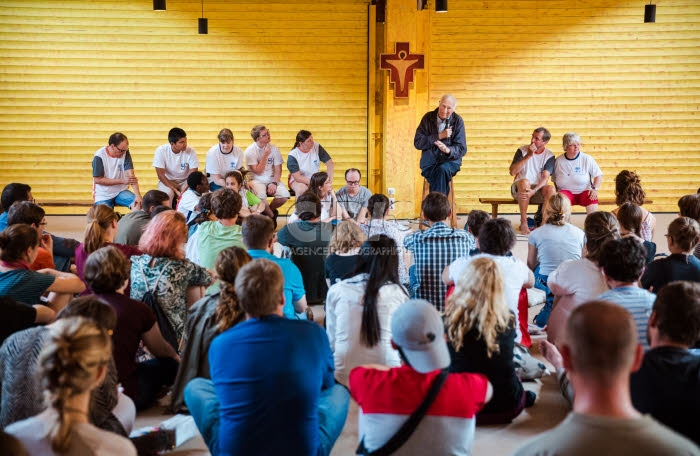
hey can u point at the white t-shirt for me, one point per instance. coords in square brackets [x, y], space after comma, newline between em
[556, 244]
[112, 168]
[326, 203]
[309, 163]
[177, 166]
[575, 175]
[532, 171]
[580, 279]
[219, 163]
[188, 203]
[253, 154]
[515, 274]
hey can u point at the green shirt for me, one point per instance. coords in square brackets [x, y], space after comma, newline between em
[213, 238]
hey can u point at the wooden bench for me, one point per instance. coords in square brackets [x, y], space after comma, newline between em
[495, 202]
[66, 203]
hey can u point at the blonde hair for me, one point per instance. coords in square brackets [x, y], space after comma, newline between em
[478, 302]
[557, 210]
[69, 365]
[99, 219]
[347, 236]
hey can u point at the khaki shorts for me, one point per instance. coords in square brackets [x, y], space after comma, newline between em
[537, 198]
[260, 189]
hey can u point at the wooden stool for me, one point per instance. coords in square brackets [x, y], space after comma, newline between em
[451, 198]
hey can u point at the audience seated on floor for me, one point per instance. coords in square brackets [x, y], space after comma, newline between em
[33, 215]
[63, 248]
[308, 240]
[629, 216]
[250, 202]
[628, 189]
[216, 235]
[622, 263]
[434, 249]
[666, 384]
[19, 246]
[22, 391]
[481, 333]
[17, 316]
[689, 206]
[107, 274]
[163, 269]
[599, 353]
[343, 251]
[683, 235]
[359, 309]
[388, 396]
[278, 394]
[205, 215]
[197, 185]
[131, 226]
[496, 239]
[211, 315]
[382, 222]
[100, 231]
[72, 364]
[577, 281]
[475, 220]
[259, 238]
[550, 245]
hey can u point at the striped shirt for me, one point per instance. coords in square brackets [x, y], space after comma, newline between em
[638, 302]
[433, 250]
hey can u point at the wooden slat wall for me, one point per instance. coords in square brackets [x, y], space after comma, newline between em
[631, 90]
[73, 72]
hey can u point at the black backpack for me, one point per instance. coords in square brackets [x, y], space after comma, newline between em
[150, 299]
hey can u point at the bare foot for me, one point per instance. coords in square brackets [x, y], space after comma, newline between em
[551, 354]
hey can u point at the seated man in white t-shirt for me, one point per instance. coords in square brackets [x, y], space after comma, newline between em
[496, 239]
[265, 161]
[174, 162]
[221, 159]
[531, 167]
[113, 172]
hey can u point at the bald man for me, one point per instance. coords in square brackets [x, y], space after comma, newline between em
[441, 137]
[599, 354]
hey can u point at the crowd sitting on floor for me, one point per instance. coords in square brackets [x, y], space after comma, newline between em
[427, 331]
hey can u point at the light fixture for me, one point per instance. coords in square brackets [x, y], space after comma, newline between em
[203, 23]
[650, 13]
[158, 5]
[440, 6]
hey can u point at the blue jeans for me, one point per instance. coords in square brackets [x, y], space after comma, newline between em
[541, 284]
[214, 187]
[439, 175]
[124, 198]
[203, 404]
[63, 251]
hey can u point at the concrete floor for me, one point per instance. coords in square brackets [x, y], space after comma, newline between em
[549, 409]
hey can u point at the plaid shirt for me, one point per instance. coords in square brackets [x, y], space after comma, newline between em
[433, 250]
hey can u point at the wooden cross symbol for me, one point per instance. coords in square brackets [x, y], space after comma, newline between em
[401, 65]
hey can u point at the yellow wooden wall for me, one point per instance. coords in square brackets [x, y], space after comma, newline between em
[631, 90]
[72, 72]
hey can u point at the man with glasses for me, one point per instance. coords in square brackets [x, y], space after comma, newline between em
[354, 197]
[265, 161]
[113, 173]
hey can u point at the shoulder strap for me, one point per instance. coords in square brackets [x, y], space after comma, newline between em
[145, 280]
[402, 435]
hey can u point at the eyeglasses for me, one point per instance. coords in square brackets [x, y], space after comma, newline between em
[122, 151]
[43, 223]
[353, 182]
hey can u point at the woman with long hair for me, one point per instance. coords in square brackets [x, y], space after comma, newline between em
[304, 160]
[211, 315]
[550, 245]
[100, 231]
[380, 221]
[577, 281]
[72, 364]
[628, 189]
[343, 251]
[19, 247]
[481, 331]
[164, 270]
[358, 309]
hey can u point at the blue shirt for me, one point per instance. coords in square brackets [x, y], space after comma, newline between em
[25, 286]
[638, 302]
[3, 221]
[268, 374]
[293, 283]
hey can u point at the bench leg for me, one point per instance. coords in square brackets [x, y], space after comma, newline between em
[494, 210]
